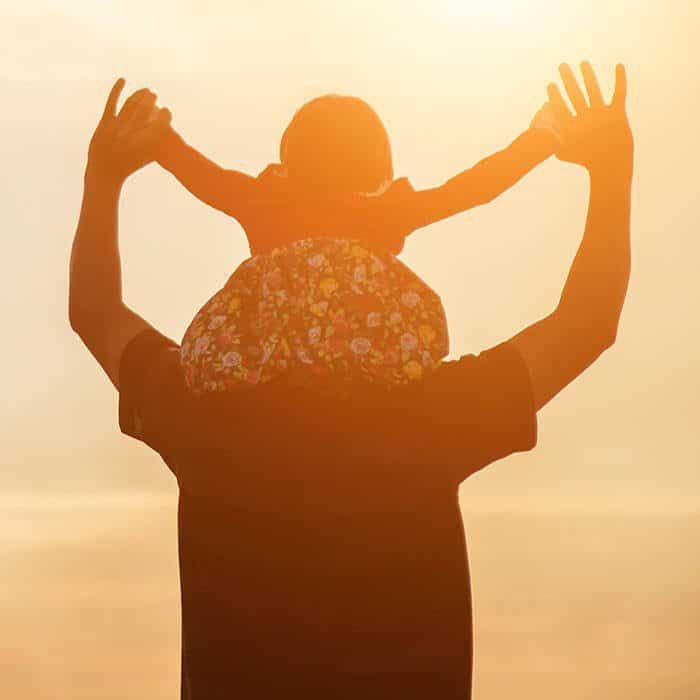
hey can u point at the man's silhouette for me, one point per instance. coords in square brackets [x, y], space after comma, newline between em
[321, 544]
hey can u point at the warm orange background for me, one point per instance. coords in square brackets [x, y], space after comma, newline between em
[584, 551]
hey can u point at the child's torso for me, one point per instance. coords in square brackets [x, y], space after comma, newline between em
[277, 216]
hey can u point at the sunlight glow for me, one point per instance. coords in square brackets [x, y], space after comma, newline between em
[488, 12]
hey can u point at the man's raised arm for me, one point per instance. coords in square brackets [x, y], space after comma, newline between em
[122, 143]
[562, 345]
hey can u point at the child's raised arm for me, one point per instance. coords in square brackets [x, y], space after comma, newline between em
[483, 182]
[228, 191]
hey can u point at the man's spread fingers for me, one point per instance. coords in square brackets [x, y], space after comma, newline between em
[561, 111]
[110, 109]
[592, 87]
[620, 94]
[572, 89]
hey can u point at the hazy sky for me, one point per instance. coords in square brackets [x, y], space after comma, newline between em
[90, 570]
[453, 81]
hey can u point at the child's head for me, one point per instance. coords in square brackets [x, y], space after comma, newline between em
[339, 144]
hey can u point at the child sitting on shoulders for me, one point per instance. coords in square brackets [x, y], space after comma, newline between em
[323, 293]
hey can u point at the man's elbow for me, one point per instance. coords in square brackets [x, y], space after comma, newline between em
[609, 339]
[596, 336]
[81, 327]
[86, 323]
[74, 318]
[599, 342]
[607, 335]
[77, 315]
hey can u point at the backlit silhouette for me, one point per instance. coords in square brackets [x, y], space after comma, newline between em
[321, 545]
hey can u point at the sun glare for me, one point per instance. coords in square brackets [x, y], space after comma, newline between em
[488, 12]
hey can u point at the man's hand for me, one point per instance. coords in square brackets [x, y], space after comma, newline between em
[598, 136]
[121, 144]
[126, 141]
[584, 324]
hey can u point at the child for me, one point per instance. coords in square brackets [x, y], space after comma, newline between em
[323, 293]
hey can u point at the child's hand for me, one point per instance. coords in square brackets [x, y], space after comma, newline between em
[127, 139]
[546, 120]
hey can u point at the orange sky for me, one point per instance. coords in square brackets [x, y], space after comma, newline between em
[452, 85]
[453, 81]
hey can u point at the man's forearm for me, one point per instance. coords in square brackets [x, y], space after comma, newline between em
[123, 142]
[595, 289]
[95, 266]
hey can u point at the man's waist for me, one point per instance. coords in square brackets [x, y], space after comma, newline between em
[360, 651]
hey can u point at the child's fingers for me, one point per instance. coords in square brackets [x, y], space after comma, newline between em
[545, 119]
[134, 106]
[157, 114]
[164, 116]
[143, 112]
[151, 132]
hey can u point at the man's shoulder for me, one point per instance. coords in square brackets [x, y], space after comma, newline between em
[150, 384]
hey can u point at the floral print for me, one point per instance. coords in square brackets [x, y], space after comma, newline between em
[319, 306]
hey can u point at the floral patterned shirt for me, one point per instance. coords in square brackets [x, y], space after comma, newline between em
[315, 308]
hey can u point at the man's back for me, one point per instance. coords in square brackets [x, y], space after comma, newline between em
[331, 594]
[321, 543]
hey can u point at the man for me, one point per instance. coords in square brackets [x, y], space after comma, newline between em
[321, 545]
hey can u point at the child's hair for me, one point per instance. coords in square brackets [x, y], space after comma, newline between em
[337, 143]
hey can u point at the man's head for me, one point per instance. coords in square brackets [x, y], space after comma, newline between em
[337, 143]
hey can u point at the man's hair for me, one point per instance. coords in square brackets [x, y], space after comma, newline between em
[337, 143]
